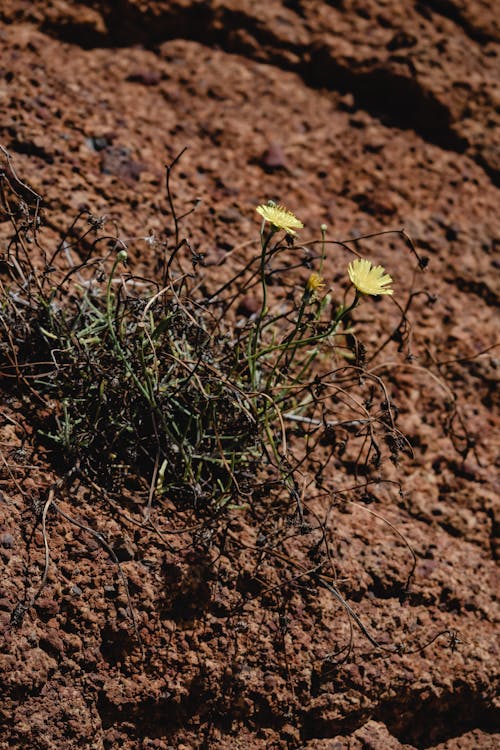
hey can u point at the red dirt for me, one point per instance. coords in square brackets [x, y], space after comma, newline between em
[364, 115]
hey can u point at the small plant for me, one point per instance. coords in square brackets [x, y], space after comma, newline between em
[142, 382]
[154, 386]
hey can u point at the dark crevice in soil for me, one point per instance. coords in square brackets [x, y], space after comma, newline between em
[425, 722]
[23, 693]
[387, 590]
[416, 717]
[296, 7]
[480, 289]
[396, 100]
[166, 715]
[413, 721]
[152, 718]
[31, 149]
[449, 10]
[317, 727]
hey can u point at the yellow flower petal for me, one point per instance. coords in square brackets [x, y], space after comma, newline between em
[280, 217]
[369, 279]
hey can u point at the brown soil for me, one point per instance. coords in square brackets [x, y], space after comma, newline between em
[360, 114]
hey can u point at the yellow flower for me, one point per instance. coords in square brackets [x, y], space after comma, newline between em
[369, 279]
[280, 217]
[315, 283]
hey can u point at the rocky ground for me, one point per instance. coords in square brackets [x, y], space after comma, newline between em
[363, 115]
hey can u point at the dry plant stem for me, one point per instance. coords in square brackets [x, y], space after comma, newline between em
[328, 582]
[19, 187]
[416, 368]
[22, 607]
[46, 507]
[326, 423]
[282, 624]
[147, 522]
[422, 261]
[27, 258]
[459, 360]
[168, 173]
[323, 580]
[401, 536]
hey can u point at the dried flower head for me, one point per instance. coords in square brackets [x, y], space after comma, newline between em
[369, 279]
[280, 217]
[315, 283]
